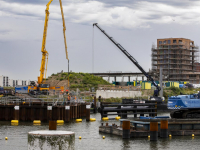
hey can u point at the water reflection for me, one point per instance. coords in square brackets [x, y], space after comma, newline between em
[153, 145]
[125, 143]
[164, 142]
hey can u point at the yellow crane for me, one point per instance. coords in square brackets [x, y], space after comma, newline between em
[43, 69]
[43, 49]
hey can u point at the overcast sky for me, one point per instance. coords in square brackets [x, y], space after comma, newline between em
[135, 24]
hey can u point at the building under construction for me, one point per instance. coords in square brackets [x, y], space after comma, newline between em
[178, 58]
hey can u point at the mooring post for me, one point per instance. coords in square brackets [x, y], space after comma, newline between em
[126, 129]
[16, 112]
[49, 113]
[153, 131]
[87, 112]
[67, 113]
[52, 125]
[164, 128]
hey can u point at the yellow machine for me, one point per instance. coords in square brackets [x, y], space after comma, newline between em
[42, 87]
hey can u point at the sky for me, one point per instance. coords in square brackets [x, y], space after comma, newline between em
[135, 24]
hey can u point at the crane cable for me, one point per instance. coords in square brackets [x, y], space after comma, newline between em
[93, 51]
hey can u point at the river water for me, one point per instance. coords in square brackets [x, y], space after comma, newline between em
[91, 138]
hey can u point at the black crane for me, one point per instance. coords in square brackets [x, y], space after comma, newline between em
[149, 78]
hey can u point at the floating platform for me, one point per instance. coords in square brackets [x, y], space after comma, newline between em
[141, 127]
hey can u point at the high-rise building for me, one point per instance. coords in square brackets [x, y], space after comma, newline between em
[178, 58]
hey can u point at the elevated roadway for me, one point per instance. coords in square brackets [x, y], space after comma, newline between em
[120, 74]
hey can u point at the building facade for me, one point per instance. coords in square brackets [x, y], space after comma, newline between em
[178, 58]
[4, 81]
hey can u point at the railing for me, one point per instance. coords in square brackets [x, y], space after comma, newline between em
[46, 101]
[135, 107]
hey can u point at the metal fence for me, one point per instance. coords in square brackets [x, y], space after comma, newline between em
[44, 101]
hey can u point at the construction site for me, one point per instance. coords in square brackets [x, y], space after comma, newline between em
[165, 96]
[178, 58]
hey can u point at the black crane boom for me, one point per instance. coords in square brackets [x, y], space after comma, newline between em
[131, 59]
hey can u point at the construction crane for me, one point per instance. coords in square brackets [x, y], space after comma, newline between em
[42, 87]
[64, 28]
[43, 69]
[131, 58]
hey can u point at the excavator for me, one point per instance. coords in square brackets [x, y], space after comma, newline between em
[40, 87]
[134, 61]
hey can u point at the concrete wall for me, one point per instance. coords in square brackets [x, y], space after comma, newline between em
[115, 94]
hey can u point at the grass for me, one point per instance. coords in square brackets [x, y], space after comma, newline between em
[83, 81]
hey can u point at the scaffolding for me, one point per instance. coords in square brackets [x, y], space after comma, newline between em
[178, 57]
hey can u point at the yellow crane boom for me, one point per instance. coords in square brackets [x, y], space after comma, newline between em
[64, 28]
[43, 49]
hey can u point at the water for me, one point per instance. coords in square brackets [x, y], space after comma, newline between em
[91, 138]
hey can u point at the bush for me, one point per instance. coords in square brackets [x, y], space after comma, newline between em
[61, 78]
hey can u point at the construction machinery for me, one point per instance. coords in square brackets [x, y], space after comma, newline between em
[41, 87]
[133, 60]
[184, 106]
[64, 28]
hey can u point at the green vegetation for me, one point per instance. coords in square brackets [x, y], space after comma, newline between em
[13, 88]
[83, 81]
[173, 91]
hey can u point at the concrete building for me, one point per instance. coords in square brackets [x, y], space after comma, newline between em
[18, 82]
[10, 82]
[4, 81]
[178, 57]
[25, 82]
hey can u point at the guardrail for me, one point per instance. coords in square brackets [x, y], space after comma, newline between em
[44, 101]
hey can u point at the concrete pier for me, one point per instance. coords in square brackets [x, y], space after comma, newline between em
[45, 140]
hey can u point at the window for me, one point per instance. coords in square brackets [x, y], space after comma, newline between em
[174, 41]
[164, 42]
[160, 42]
[180, 41]
[169, 42]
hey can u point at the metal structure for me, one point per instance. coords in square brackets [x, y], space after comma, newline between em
[44, 61]
[42, 87]
[132, 59]
[184, 106]
[178, 57]
[29, 109]
[133, 108]
[64, 28]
